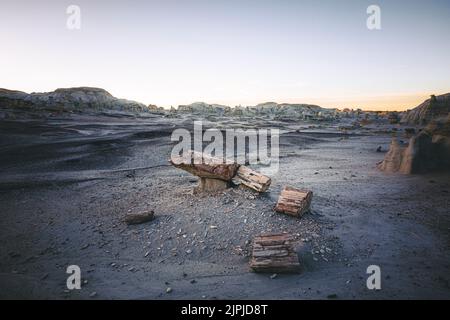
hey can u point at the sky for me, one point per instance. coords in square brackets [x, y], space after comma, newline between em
[231, 52]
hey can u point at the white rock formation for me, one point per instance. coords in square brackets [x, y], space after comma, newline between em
[82, 98]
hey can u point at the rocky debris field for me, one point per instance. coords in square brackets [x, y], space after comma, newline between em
[68, 183]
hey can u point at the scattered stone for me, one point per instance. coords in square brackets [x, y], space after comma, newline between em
[93, 294]
[138, 218]
[169, 290]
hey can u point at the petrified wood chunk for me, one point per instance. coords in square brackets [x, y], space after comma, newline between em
[293, 201]
[251, 179]
[210, 185]
[205, 166]
[137, 218]
[274, 253]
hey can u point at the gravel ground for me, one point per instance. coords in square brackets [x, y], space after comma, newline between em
[67, 183]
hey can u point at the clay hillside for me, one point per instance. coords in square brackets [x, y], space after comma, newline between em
[431, 109]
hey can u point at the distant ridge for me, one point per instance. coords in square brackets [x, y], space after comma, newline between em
[283, 111]
[68, 99]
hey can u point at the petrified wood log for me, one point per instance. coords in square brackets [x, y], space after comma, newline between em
[251, 179]
[137, 218]
[204, 166]
[293, 201]
[210, 185]
[274, 253]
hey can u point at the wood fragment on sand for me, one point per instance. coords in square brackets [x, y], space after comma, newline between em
[294, 202]
[251, 179]
[274, 253]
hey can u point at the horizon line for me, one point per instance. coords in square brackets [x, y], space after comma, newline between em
[334, 103]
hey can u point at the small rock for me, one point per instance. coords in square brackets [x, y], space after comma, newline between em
[169, 290]
[14, 254]
[138, 218]
[93, 294]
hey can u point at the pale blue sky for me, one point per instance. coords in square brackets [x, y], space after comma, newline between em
[231, 52]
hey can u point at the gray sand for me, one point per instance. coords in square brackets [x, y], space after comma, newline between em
[65, 186]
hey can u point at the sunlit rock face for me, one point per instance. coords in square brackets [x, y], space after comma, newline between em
[427, 151]
[434, 108]
[82, 98]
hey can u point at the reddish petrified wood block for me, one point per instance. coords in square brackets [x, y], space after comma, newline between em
[251, 179]
[274, 253]
[204, 166]
[294, 202]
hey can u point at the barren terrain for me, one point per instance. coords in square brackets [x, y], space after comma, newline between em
[66, 183]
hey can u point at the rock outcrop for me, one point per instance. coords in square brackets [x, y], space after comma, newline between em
[434, 108]
[270, 110]
[427, 151]
[204, 109]
[70, 99]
